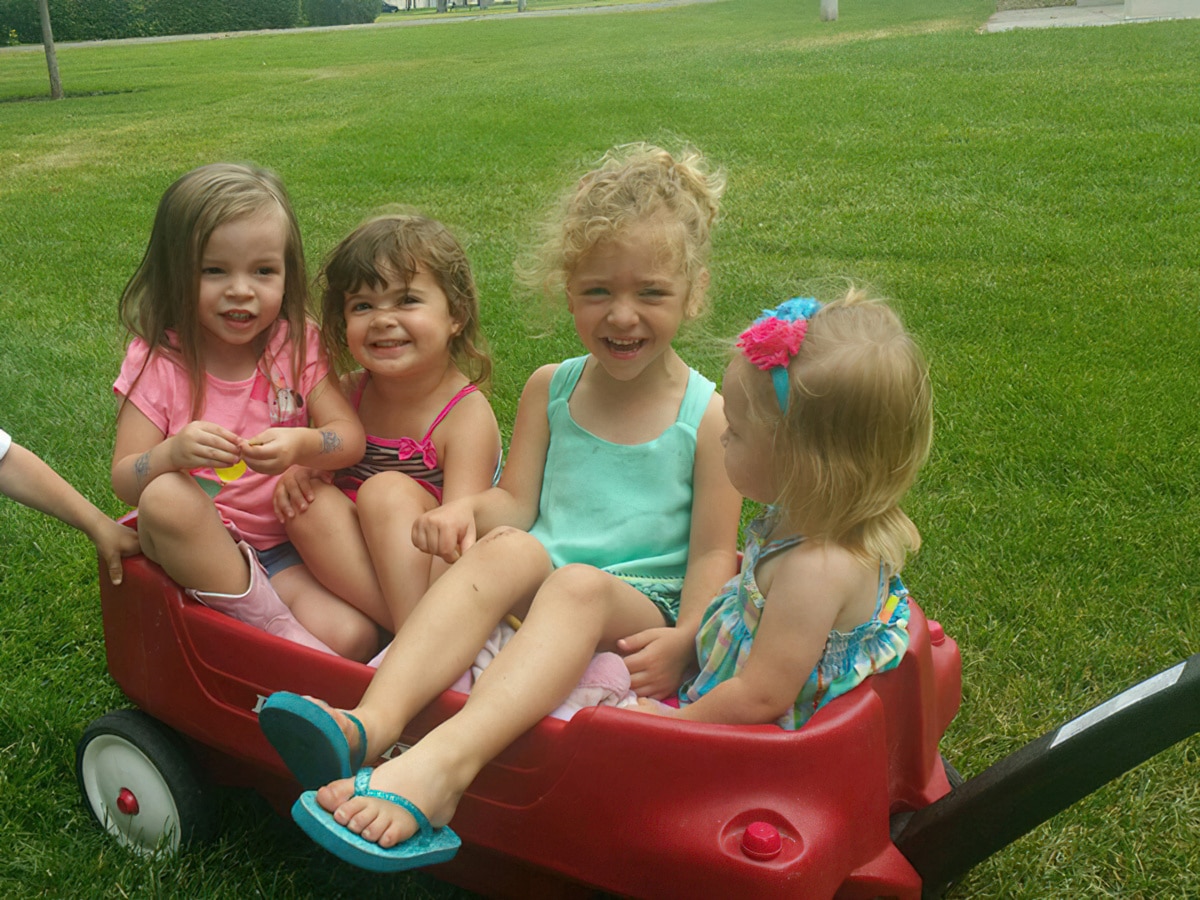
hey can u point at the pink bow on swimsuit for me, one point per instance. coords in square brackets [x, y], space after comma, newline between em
[407, 448]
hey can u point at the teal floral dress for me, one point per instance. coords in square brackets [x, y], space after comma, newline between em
[727, 632]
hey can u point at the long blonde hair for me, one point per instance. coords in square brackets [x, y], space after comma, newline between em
[160, 302]
[858, 428]
[633, 184]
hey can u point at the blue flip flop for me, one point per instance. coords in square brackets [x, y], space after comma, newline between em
[427, 847]
[309, 740]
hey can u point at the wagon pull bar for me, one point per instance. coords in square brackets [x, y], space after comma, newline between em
[1027, 787]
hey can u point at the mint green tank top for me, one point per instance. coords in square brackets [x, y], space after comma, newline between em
[623, 508]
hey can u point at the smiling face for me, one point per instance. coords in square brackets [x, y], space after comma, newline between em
[242, 275]
[748, 441]
[399, 328]
[628, 297]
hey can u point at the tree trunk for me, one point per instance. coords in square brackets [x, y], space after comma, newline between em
[520, 5]
[828, 10]
[56, 91]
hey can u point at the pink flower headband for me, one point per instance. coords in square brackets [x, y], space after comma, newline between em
[774, 338]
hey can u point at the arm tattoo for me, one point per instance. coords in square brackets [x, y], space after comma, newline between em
[331, 442]
[141, 468]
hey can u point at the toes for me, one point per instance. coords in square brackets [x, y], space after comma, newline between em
[376, 820]
[361, 818]
[396, 832]
[333, 795]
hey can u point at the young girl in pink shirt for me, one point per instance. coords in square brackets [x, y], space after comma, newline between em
[224, 386]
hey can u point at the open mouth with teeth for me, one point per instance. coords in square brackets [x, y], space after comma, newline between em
[623, 347]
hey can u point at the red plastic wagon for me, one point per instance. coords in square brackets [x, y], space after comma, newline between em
[856, 804]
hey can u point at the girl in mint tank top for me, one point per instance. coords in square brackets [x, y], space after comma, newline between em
[611, 527]
[830, 418]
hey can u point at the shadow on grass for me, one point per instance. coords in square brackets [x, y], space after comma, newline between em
[67, 95]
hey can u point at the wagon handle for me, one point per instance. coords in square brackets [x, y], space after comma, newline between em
[1027, 787]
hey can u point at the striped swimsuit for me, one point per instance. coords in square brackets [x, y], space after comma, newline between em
[416, 459]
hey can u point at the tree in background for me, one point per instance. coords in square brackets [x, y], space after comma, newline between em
[56, 90]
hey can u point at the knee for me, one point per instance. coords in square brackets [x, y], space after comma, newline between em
[392, 493]
[579, 584]
[520, 544]
[357, 638]
[171, 502]
[316, 518]
[516, 553]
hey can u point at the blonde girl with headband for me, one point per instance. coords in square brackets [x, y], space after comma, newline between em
[830, 418]
[400, 320]
[223, 387]
[613, 520]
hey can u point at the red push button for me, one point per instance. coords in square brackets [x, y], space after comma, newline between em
[761, 841]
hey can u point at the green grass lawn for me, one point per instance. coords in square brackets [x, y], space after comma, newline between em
[1029, 199]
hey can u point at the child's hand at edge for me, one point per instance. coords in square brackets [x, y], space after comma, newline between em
[294, 491]
[657, 659]
[113, 541]
[655, 707]
[447, 531]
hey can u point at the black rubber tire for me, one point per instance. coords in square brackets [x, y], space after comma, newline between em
[131, 751]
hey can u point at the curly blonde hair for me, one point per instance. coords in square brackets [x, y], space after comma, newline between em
[631, 185]
[858, 428]
[403, 241]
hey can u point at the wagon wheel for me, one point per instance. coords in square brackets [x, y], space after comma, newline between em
[139, 782]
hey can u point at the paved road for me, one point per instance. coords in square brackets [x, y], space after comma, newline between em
[1066, 16]
[395, 23]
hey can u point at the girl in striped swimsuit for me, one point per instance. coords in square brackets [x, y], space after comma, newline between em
[400, 306]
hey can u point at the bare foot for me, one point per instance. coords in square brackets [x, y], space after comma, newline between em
[341, 719]
[417, 776]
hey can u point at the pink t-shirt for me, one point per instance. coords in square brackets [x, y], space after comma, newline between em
[247, 408]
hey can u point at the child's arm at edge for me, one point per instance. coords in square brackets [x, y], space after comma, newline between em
[26, 478]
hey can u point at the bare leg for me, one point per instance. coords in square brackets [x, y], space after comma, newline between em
[445, 632]
[346, 630]
[388, 504]
[577, 611]
[329, 537]
[181, 530]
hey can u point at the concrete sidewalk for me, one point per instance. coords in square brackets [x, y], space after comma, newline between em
[1070, 16]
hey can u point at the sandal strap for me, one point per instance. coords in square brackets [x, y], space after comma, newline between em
[358, 757]
[362, 788]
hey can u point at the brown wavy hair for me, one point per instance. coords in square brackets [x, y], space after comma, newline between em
[403, 241]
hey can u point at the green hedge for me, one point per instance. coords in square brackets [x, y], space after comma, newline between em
[90, 20]
[341, 12]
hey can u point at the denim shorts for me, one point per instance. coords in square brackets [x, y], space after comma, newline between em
[280, 557]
